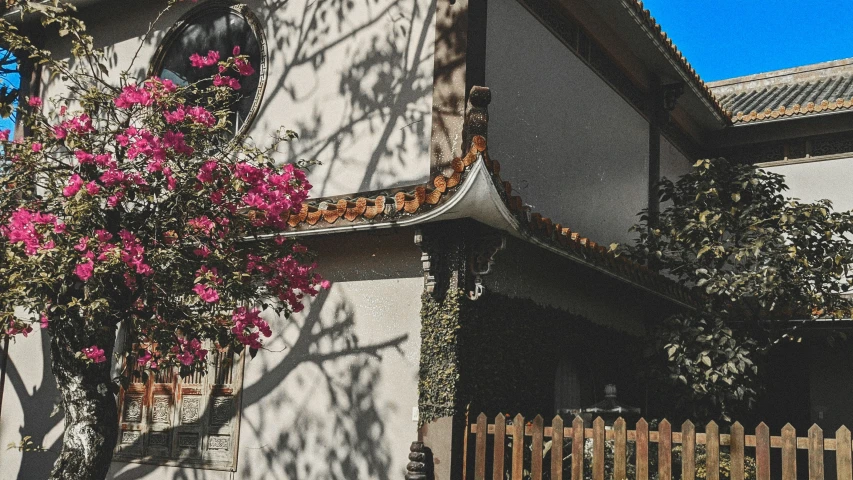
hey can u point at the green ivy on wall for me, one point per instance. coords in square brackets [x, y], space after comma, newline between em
[500, 354]
[438, 377]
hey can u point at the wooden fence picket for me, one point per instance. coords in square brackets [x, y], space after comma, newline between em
[642, 450]
[500, 445]
[518, 447]
[789, 452]
[620, 449]
[712, 451]
[736, 443]
[480, 450]
[664, 450]
[557, 448]
[615, 440]
[815, 453]
[577, 449]
[536, 451]
[688, 451]
[762, 451]
[598, 449]
[843, 463]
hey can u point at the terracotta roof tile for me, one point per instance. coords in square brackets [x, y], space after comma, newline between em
[421, 198]
[810, 89]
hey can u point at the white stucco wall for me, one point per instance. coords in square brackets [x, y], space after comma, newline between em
[568, 143]
[353, 79]
[330, 398]
[673, 163]
[812, 181]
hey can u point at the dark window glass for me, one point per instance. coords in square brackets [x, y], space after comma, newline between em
[219, 29]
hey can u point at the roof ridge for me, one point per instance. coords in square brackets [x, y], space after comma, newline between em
[842, 64]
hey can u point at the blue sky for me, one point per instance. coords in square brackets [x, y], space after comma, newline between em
[12, 81]
[730, 38]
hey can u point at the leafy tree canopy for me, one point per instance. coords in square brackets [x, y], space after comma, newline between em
[757, 259]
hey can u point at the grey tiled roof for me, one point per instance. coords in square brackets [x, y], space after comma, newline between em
[808, 90]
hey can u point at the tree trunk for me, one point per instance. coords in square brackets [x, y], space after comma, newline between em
[91, 415]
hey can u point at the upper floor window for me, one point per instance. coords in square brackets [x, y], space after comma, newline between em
[219, 26]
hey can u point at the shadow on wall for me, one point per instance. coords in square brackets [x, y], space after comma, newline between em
[352, 77]
[39, 417]
[386, 84]
[342, 439]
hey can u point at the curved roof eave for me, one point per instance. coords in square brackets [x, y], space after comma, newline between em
[478, 193]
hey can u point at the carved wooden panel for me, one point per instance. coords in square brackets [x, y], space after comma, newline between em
[188, 440]
[191, 409]
[219, 442]
[222, 410]
[161, 409]
[188, 421]
[160, 440]
[133, 408]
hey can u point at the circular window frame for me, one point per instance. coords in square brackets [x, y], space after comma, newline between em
[255, 25]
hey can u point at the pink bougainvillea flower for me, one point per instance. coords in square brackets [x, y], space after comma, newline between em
[75, 183]
[202, 224]
[4, 134]
[44, 321]
[35, 102]
[248, 326]
[85, 270]
[84, 157]
[114, 199]
[198, 61]
[95, 354]
[175, 116]
[144, 358]
[103, 235]
[205, 173]
[36, 147]
[201, 116]
[82, 244]
[25, 330]
[209, 295]
[225, 81]
[243, 67]
[236, 51]
[133, 95]
[105, 160]
[92, 188]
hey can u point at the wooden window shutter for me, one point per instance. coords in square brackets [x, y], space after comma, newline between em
[192, 421]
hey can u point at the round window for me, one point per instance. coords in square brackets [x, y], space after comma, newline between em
[218, 26]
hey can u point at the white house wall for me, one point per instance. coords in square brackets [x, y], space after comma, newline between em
[673, 163]
[812, 181]
[570, 145]
[353, 79]
[330, 397]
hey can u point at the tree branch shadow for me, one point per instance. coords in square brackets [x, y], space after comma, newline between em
[344, 438]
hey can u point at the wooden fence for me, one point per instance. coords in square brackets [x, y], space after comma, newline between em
[505, 460]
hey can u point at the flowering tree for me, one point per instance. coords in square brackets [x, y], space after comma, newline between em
[130, 202]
